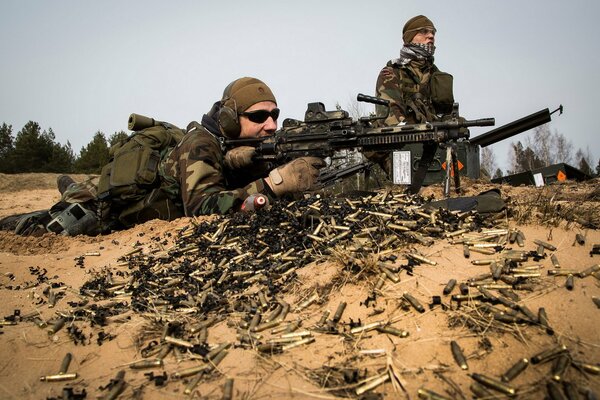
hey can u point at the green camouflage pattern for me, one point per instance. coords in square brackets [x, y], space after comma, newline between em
[81, 192]
[193, 172]
[407, 89]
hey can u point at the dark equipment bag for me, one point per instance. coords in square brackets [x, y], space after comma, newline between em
[129, 182]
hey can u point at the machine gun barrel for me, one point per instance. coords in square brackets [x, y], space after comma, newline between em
[512, 128]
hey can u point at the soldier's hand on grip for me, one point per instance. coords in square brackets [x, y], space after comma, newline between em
[299, 175]
[239, 157]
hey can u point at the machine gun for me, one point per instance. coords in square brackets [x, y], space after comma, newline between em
[322, 133]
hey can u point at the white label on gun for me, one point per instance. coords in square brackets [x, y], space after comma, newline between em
[401, 168]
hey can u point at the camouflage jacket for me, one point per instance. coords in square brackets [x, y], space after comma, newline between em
[194, 176]
[407, 89]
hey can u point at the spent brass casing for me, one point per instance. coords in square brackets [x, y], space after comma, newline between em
[449, 286]
[466, 251]
[579, 239]
[554, 260]
[596, 301]
[393, 331]
[545, 245]
[228, 389]
[487, 252]
[543, 320]
[58, 377]
[368, 327]
[217, 350]
[324, 317]
[496, 271]
[562, 272]
[339, 312]
[540, 251]
[272, 348]
[314, 297]
[426, 394]
[548, 354]
[494, 384]
[458, 355]
[560, 365]
[254, 321]
[178, 342]
[480, 391]
[193, 383]
[486, 261]
[372, 384]
[390, 275]
[274, 314]
[520, 239]
[512, 236]
[515, 370]
[593, 369]
[296, 334]
[56, 326]
[528, 313]
[554, 392]
[380, 281]
[142, 364]
[570, 282]
[64, 365]
[422, 259]
[414, 302]
[266, 325]
[301, 342]
[589, 271]
[184, 373]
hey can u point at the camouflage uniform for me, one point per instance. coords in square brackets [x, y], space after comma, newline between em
[407, 88]
[193, 174]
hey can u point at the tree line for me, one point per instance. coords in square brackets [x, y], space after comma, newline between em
[34, 150]
[539, 149]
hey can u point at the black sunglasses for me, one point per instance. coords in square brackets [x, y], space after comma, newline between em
[260, 116]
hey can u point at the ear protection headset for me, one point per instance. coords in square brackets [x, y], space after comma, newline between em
[228, 116]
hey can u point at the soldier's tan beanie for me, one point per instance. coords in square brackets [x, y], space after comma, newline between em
[413, 25]
[244, 92]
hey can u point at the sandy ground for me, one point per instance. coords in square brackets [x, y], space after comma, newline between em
[423, 359]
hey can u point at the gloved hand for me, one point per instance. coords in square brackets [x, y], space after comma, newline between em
[299, 175]
[239, 157]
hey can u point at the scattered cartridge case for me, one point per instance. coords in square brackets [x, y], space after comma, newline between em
[464, 288]
[422, 259]
[324, 317]
[449, 286]
[393, 331]
[579, 239]
[466, 251]
[520, 239]
[178, 342]
[546, 245]
[515, 370]
[380, 281]
[570, 282]
[254, 321]
[487, 261]
[562, 272]
[554, 260]
[184, 373]
[512, 236]
[142, 364]
[589, 271]
[272, 348]
[596, 301]
[480, 250]
[193, 383]
[488, 296]
[543, 320]
[391, 275]
[548, 354]
[373, 384]
[338, 312]
[301, 342]
[228, 389]
[296, 334]
[560, 365]
[274, 314]
[540, 251]
[570, 390]
[368, 327]
[266, 325]
[414, 302]
[496, 270]
[494, 384]
[314, 297]
[458, 355]
[217, 350]
[58, 377]
[426, 394]
[593, 369]
[528, 313]
[56, 326]
[64, 365]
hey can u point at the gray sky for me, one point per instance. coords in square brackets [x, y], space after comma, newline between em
[81, 66]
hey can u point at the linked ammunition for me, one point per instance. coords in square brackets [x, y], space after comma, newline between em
[372, 384]
[548, 354]
[414, 302]
[543, 320]
[570, 282]
[458, 355]
[58, 377]
[449, 286]
[494, 384]
[560, 365]
[426, 394]
[515, 370]
[546, 245]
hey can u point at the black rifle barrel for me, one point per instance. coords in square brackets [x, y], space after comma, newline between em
[372, 99]
[512, 128]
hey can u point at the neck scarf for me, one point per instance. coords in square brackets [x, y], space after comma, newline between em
[417, 52]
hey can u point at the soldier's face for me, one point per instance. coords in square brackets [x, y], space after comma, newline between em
[424, 36]
[251, 129]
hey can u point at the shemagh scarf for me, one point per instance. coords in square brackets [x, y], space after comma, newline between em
[417, 52]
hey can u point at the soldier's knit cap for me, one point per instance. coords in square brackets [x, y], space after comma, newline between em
[413, 25]
[244, 92]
